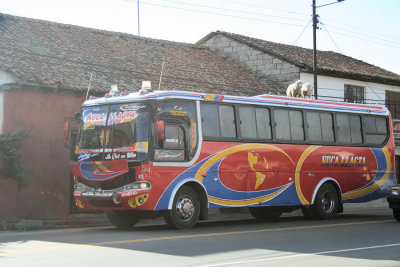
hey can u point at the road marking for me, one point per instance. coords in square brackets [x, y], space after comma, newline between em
[190, 236]
[52, 231]
[303, 255]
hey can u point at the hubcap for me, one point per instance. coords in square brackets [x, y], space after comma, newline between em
[327, 202]
[185, 208]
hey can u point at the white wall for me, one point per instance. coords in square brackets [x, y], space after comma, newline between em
[330, 88]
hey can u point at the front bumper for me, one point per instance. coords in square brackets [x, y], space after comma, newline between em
[123, 198]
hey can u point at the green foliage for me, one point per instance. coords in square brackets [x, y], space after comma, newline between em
[10, 165]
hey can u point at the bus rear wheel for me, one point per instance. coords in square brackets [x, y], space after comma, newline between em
[185, 209]
[326, 203]
[123, 220]
[265, 213]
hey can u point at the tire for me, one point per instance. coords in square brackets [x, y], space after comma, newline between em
[396, 214]
[265, 213]
[326, 203]
[123, 220]
[185, 209]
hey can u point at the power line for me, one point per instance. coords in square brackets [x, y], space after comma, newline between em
[230, 10]
[365, 35]
[219, 14]
[326, 30]
[308, 23]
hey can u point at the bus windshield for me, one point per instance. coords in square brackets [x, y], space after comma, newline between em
[114, 128]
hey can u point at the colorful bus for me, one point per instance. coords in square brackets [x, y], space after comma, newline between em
[176, 154]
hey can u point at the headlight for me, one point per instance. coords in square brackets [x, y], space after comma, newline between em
[140, 185]
[394, 191]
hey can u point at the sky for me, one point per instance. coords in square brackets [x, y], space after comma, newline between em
[368, 30]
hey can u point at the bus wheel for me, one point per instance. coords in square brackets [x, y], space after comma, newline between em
[265, 213]
[185, 209]
[396, 214]
[124, 220]
[326, 202]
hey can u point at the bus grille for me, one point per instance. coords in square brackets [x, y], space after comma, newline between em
[114, 183]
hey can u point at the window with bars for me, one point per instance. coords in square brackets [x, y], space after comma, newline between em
[354, 93]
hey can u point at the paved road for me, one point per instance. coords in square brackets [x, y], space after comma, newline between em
[369, 238]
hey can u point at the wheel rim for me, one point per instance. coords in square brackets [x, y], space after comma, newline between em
[328, 203]
[185, 208]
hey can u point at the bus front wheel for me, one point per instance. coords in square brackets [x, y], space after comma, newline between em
[185, 209]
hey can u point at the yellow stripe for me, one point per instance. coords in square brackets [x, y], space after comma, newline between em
[233, 150]
[295, 228]
[297, 174]
[240, 203]
[374, 186]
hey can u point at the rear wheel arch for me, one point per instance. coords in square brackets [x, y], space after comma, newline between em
[335, 184]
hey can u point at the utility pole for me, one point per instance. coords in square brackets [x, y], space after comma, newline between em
[315, 21]
[315, 27]
[138, 20]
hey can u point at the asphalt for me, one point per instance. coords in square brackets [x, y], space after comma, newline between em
[93, 220]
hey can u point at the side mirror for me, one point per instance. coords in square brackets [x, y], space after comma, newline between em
[71, 126]
[160, 131]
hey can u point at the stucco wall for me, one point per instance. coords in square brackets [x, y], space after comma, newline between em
[44, 156]
[258, 61]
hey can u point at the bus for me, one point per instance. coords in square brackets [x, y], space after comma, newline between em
[177, 154]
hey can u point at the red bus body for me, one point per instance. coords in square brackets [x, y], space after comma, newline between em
[236, 173]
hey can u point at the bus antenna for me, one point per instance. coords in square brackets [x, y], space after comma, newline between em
[90, 81]
[162, 69]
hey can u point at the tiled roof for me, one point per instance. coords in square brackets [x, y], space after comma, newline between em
[329, 63]
[64, 56]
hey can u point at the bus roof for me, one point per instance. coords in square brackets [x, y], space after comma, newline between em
[264, 100]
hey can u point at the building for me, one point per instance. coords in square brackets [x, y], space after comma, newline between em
[45, 71]
[339, 77]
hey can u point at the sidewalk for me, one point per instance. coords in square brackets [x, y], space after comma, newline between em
[92, 220]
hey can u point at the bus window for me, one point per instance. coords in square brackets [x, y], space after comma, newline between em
[227, 121]
[328, 134]
[218, 120]
[281, 117]
[210, 124]
[263, 123]
[247, 122]
[180, 140]
[355, 129]
[314, 129]
[343, 128]
[349, 128]
[296, 125]
[375, 129]
[320, 127]
[289, 124]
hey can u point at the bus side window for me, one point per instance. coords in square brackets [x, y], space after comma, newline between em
[172, 148]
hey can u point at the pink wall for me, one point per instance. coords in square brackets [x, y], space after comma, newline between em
[43, 154]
